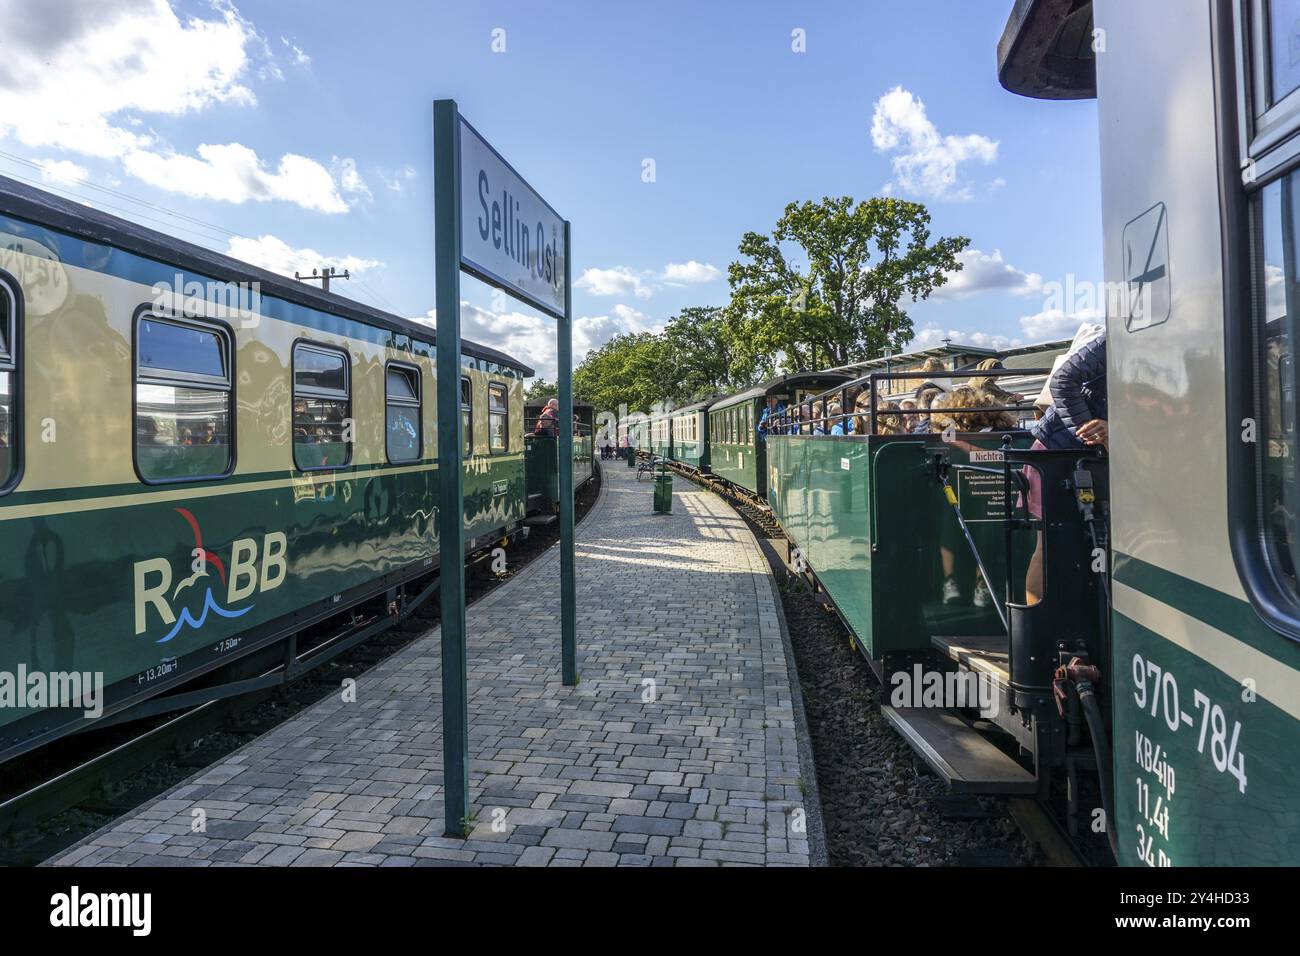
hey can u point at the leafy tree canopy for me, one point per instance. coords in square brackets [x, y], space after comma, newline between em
[845, 305]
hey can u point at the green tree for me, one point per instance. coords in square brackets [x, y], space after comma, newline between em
[701, 349]
[862, 261]
[632, 369]
[540, 390]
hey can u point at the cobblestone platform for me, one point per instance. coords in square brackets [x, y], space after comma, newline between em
[678, 746]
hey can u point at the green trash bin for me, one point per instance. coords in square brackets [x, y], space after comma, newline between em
[630, 455]
[663, 494]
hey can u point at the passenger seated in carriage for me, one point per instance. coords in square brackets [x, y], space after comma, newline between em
[840, 423]
[818, 418]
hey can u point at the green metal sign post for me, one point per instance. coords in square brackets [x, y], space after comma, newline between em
[509, 237]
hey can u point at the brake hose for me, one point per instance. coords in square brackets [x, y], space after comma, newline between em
[1085, 677]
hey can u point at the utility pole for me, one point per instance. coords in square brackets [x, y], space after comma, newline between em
[329, 273]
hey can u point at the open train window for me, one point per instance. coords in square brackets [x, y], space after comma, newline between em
[184, 400]
[466, 418]
[322, 399]
[402, 439]
[8, 386]
[498, 411]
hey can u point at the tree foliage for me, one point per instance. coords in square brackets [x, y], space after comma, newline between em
[540, 389]
[631, 369]
[702, 351]
[826, 288]
[844, 302]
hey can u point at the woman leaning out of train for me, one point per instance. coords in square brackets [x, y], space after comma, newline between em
[1075, 418]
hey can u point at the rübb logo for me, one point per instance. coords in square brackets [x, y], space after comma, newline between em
[207, 585]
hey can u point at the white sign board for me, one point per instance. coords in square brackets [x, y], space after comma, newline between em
[509, 236]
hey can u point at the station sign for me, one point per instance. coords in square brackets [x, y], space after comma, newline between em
[510, 237]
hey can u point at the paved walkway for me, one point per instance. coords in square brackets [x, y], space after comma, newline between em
[678, 746]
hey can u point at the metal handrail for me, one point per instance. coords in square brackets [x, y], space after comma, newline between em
[784, 420]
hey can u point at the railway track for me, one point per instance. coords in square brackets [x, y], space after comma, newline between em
[86, 781]
[1037, 826]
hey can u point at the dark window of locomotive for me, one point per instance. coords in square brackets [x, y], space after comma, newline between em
[498, 412]
[8, 376]
[402, 440]
[466, 418]
[322, 429]
[183, 400]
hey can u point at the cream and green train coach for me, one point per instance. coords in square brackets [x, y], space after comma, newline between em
[1199, 113]
[200, 462]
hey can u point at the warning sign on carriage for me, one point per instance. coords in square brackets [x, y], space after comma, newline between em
[981, 497]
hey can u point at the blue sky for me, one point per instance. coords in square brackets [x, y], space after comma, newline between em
[298, 133]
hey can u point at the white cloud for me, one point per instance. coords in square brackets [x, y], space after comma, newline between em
[531, 338]
[276, 255]
[932, 336]
[299, 57]
[987, 272]
[400, 178]
[690, 273]
[1053, 324]
[61, 172]
[925, 162]
[349, 179]
[234, 173]
[619, 280]
[66, 72]
[81, 81]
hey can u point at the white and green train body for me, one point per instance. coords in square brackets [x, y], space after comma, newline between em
[1199, 110]
[188, 477]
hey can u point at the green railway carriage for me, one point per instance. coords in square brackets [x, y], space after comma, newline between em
[870, 519]
[689, 438]
[660, 427]
[541, 457]
[201, 458]
[737, 452]
[1198, 212]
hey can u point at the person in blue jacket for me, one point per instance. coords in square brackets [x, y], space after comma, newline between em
[1075, 419]
[1077, 416]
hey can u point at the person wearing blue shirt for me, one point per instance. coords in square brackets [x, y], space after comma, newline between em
[840, 425]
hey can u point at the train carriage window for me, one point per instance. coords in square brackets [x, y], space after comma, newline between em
[466, 418]
[8, 374]
[498, 411]
[183, 400]
[322, 396]
[403, 440]
[749, 424]
[1277, 217]
[1284, 48]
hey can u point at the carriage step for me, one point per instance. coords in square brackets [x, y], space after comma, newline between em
[965, 760]
[984, 655]
[540, 521]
